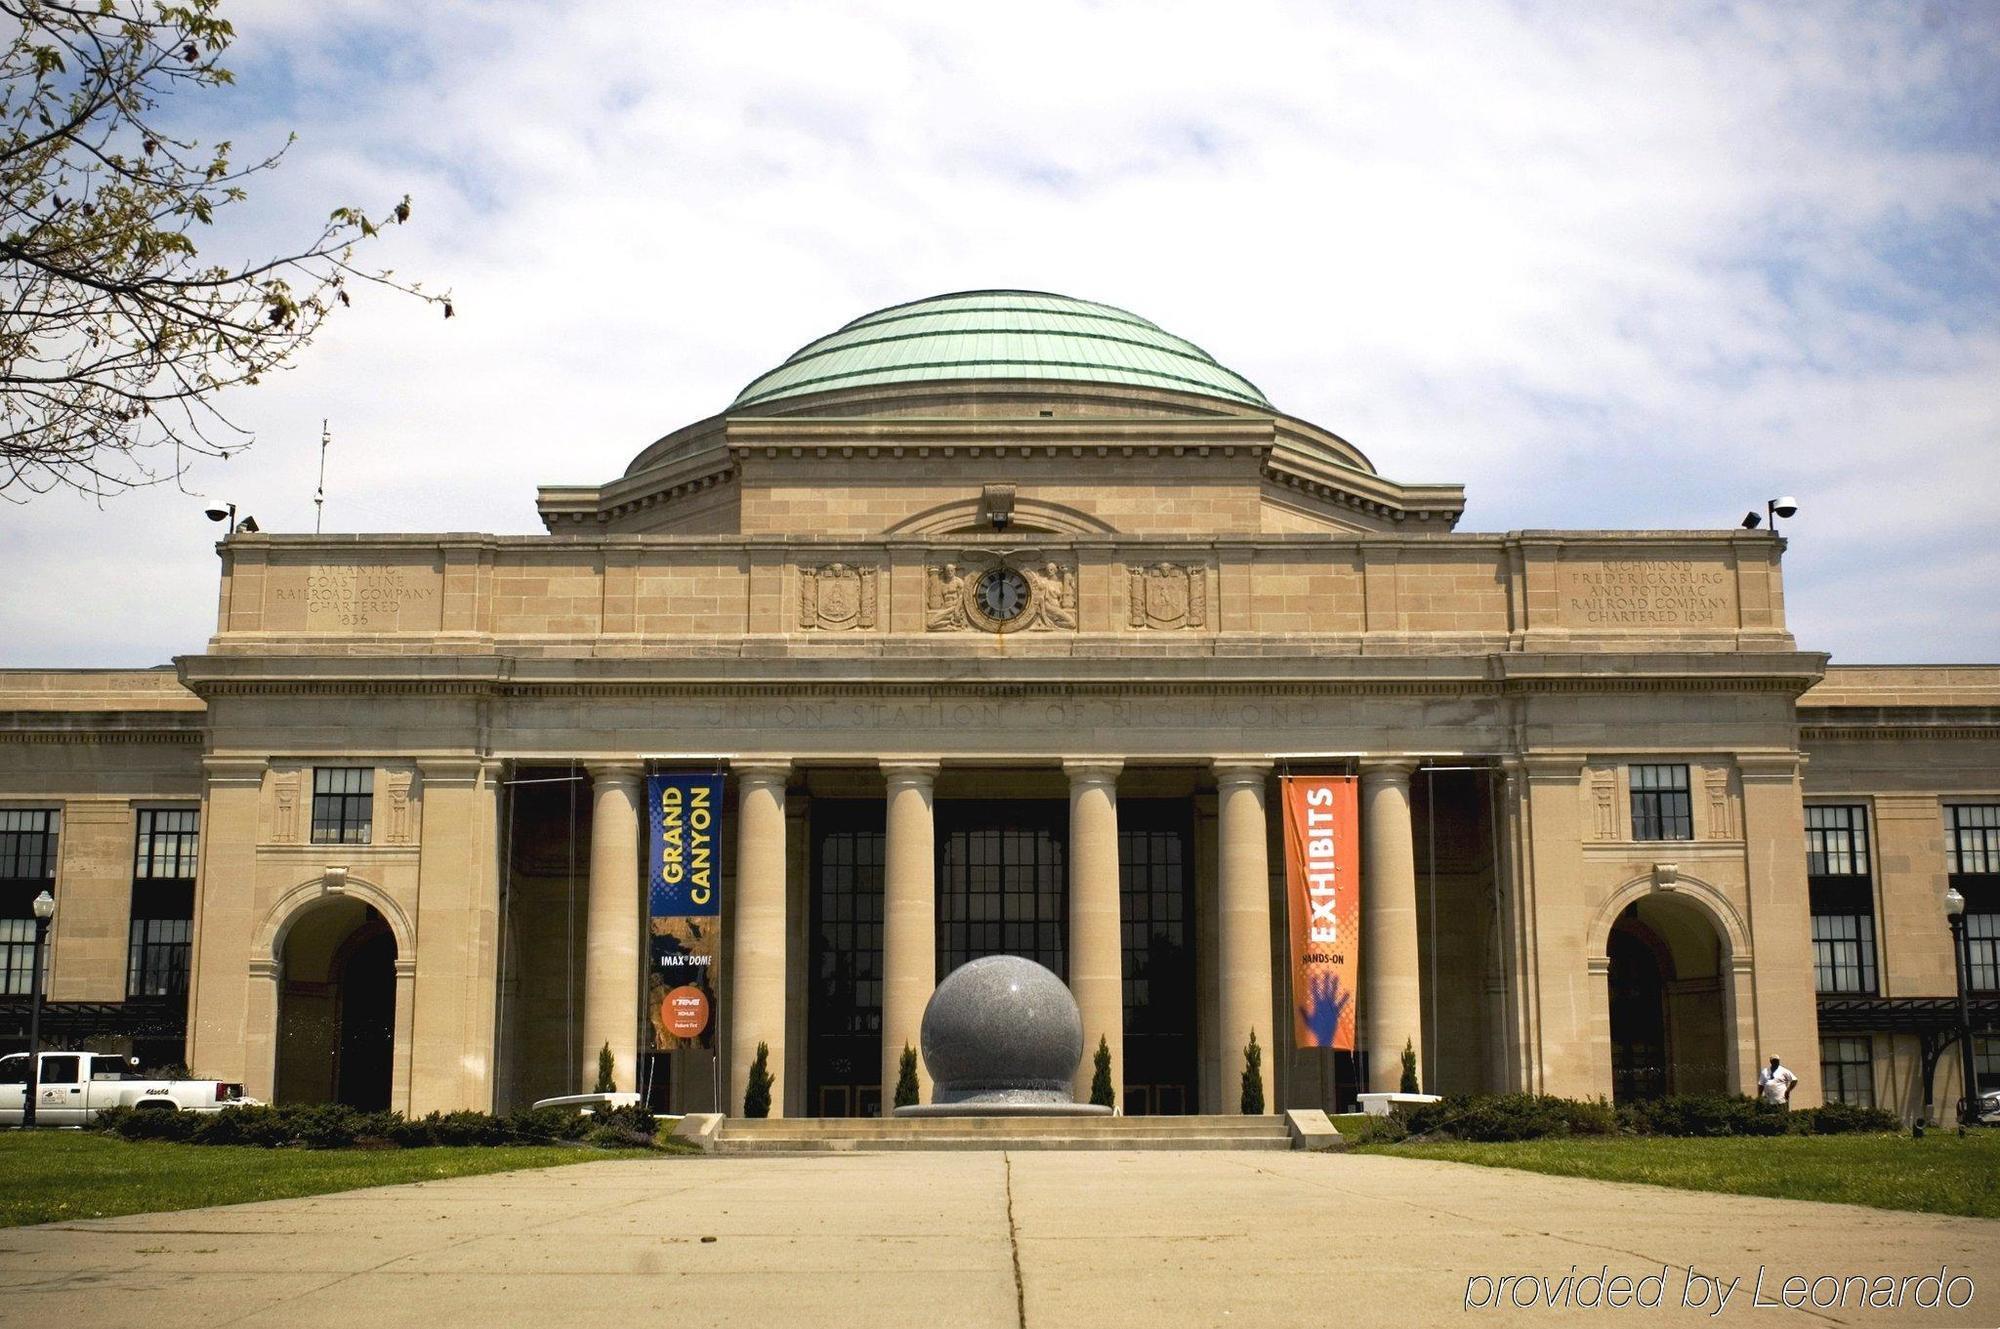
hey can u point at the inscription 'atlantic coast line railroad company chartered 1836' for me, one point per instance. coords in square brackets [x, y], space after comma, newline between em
[354, 596]
[1668, 592]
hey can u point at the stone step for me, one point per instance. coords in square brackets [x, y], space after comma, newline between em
[801, 1144]
[855, 1134]
[874, 1127]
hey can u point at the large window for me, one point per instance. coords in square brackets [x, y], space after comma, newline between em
[1841, 882]
[1986, 1061]
[1003, 884]
[1972, 856]
[17, 956]
[1972, 839]
[343, 804]
[1982, 945]
[169, 839]
[1847, 1071]
[163, 869]
[158, 966]
[27, 868]
[1660, 807]
[28, 844]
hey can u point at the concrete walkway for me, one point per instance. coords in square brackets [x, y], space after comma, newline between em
[970, 1239]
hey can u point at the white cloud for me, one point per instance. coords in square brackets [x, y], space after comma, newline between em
[1621, 265]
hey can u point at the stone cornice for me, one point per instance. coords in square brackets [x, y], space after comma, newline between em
[1916, 728]
[103, 737]
[773, 679]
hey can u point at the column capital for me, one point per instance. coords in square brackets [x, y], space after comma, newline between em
[1241, 770]
[615, 772]
[1390, 770]
[235, 770]
[914, 772]
[1769, 765]
[453, 770]
[768, 770]
[1092, 770]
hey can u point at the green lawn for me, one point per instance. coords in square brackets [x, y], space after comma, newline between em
[1941, 1174]
[48, 1176]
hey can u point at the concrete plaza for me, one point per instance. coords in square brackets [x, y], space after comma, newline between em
[972, 1239]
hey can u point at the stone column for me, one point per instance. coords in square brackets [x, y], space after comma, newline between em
[1391, 996]
[756, 973]
[909, 920]
[611, 945]
[1096, 945]
[1243, 940]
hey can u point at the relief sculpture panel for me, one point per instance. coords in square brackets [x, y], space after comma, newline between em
[1022, 591]
[837, 597]
[1169, 596]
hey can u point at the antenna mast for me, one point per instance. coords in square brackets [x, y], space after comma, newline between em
[319, 495]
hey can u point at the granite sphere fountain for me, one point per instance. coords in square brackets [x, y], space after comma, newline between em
[1002, 1038]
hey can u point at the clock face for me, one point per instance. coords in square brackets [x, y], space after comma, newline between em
[1002, 594]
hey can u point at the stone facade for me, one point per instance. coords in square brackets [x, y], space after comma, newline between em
[1211, 596]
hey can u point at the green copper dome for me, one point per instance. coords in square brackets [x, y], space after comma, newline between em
[1001, 335]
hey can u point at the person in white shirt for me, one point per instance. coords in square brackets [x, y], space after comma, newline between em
[1774, 1084]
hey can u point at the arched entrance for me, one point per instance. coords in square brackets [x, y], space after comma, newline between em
[337, 1007]
[1669, 1010]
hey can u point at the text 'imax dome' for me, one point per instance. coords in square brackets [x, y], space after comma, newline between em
[1001, 335]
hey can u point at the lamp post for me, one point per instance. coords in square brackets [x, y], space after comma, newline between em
[1961, 966]
[45, 909]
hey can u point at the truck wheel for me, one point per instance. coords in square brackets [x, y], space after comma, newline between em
[155, 1105]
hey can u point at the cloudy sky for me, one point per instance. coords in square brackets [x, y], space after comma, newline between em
[1624, 264]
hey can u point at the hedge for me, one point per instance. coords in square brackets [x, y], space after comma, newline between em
[336, 1126]
[1489, 1118]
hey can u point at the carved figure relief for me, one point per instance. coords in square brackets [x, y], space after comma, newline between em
[1000, 596]
[836, 597]
[944, 598]
[397, 828]
[1169, 595]
[285, 820]
[1054, 604]
[1721, 825]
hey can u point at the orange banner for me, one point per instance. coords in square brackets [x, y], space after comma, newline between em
[1323, 888]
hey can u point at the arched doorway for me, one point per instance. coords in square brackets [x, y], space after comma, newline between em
[337, 1007]
[1669, 1011]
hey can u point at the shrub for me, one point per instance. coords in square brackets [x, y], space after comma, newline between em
[1253, 1078]
[907, 1092]
[1409, 1081]
[757, 1093]
[1391, 1129]
[1101, 1092]
[607, 1082]
[336, 1126]
[1490, 1118]
[632, 1127]
[148, 1123]
[546, 1125]
[1705, 1116]
[1845, 1119]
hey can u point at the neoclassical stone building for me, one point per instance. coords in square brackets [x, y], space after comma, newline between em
[1002, 614]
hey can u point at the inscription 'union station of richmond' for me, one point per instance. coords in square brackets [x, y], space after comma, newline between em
[1000, 616]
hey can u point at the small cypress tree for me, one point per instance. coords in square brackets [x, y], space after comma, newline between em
[1409, 1084]
[757, 1094]
[1253, 1078]
[606, 1066]
[906, 1078]
[1101, 1092]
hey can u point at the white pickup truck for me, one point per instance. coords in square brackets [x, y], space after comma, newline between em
[75, 1086]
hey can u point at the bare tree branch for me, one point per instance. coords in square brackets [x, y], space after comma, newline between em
[115, 336]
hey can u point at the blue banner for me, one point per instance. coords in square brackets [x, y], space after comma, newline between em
[684, 832]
